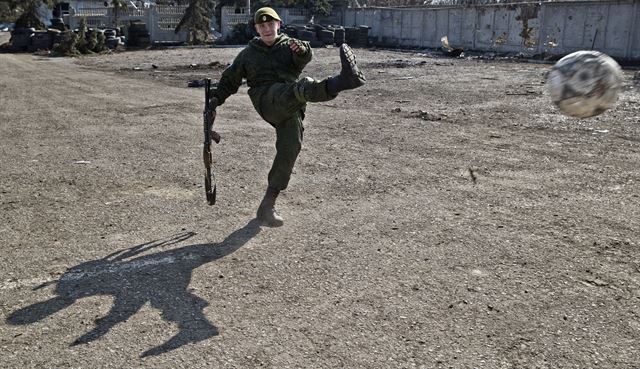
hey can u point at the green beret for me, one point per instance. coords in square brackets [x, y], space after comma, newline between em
[265, 14]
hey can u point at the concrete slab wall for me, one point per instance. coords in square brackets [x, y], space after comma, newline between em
[558, 28]
[161, 20]
[231, 16]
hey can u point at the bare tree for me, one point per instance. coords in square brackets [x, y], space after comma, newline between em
[118, 5]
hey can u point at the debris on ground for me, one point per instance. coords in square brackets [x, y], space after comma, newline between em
[425, 115]
[196, 83]
[455, 52]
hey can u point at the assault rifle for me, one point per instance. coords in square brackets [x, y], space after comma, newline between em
[209, 116]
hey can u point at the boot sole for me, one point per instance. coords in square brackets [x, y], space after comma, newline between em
[347, 53]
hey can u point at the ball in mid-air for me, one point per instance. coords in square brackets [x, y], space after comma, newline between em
[585, 83]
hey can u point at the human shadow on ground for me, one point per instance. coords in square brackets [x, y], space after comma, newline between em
[160, 279]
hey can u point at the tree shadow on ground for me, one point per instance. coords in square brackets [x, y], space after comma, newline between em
[160, 279]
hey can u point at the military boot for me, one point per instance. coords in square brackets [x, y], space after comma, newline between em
[266, 211]
[350, 76]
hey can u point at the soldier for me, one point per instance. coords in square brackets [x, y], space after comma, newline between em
[272, 64]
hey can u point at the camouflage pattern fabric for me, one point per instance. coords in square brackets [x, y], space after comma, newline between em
[277, 94]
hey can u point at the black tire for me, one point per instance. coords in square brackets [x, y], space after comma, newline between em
[326, 36]
[306, 35]
[338, 36]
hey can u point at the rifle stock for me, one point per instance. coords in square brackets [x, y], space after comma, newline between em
[209, 116]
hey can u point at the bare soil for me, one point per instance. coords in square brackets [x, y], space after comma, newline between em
[443, 215]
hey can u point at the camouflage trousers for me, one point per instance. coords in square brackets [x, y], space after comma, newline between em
[283, 105]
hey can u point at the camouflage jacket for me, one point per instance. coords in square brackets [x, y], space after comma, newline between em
[262, 65]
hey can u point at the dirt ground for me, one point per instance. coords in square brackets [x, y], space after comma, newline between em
[443, 215]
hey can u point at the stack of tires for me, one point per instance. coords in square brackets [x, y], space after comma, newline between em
[363, 36]
[338, 35]
[291, 31]
[56, 35]
[57, 23]
[21, 38]
[320, 36]
[357, 36]
[138, 35]
[111, 38]
[307, 34]
[326, 36]
[40, 40]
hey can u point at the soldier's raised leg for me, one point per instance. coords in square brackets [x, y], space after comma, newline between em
[350, 77]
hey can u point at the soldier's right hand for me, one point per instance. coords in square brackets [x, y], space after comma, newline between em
[297, 46]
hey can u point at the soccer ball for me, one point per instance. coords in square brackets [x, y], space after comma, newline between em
[585, 83]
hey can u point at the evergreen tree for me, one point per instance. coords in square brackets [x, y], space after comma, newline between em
[67, 45]
[100, 42]
[24, 12]
[82, 44]
[196, 20]
[10, 10]
[28, 10]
